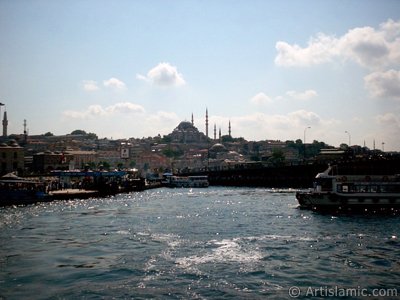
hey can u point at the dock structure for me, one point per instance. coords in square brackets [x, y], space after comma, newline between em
[67, 194]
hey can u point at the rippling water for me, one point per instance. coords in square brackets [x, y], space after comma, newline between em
[182, 244]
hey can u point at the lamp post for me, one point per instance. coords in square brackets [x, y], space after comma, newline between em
[1, 104]
[304, 141]
[349, 137]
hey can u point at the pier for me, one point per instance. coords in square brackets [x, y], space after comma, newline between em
[68, 194]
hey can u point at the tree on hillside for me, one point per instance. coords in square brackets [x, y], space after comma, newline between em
[173, 153]
[78, 132]
[307, 150]
[89, 135]
[92, 136]
[277, 158]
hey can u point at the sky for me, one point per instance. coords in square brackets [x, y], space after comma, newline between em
[277, 70]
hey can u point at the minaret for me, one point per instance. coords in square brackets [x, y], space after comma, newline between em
[5, 124]
[192, 120]
[207, 123]
[25, 132]
[220, 140]
[215, 132]
[229, 129]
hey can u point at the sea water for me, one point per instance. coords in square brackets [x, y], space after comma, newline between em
[214, 243]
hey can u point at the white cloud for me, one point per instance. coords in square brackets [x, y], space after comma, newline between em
[390, 120]
[162, 122]
[369, 47]
[90, 85]
[319, 50]
[383, 84]
[306, 95]
[98, 111]
[114, 83]
[164, 116]
[303, 117]
[164, 74]
[261, 99]
[290, 126]
[366, 46]
[125, 108]
[389, 127]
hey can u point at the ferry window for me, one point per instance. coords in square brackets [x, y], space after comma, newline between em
[393, 188]
[326, 184]
[363, 188]
[351, 188]
[374, 188]
[345, 189]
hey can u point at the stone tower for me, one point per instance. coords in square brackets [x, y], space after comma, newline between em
[5, 124]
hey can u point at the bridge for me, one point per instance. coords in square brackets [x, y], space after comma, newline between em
[297, 176]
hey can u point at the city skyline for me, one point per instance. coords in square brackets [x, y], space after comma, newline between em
[271, 69]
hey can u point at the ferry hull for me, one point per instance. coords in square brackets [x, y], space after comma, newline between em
[353, 202]
[22, 197]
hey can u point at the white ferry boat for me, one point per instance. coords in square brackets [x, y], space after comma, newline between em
[187, 181]
[352, 192]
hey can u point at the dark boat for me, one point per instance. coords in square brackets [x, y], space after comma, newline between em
[18, 191]
[352, 193]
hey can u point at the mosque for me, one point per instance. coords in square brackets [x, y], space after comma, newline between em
[186, 132]
[11, 154]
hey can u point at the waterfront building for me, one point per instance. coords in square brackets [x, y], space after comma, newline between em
[82, 158]
[111, 157]
[47, 161]
[11, 157]
[152, 163]
[193, 159]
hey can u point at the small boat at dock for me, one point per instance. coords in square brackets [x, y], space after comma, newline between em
[368, 193]
[22, 192]
[199, 181]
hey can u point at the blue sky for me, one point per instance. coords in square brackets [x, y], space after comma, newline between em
[126, 69]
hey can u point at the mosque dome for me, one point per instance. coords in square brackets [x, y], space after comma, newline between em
[13, 143]
[218, 148]
[186, 132]
[185, 126]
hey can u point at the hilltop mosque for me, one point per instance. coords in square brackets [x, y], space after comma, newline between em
[186, 132]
